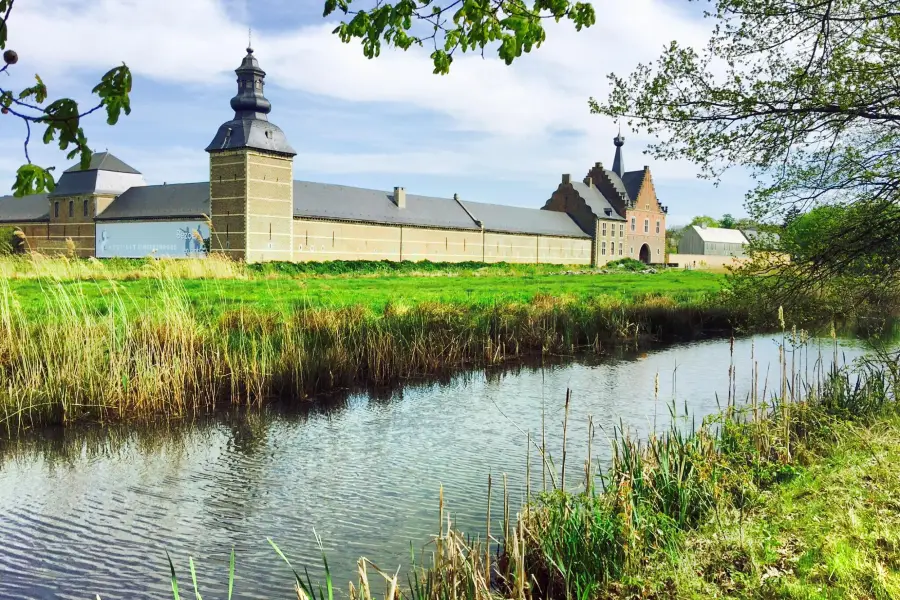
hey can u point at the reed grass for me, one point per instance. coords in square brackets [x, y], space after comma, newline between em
[72, 359]
[600, 542]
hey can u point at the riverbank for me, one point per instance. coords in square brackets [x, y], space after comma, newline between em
[789, 495]
[76, 348]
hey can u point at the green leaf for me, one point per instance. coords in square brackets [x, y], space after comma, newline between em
[114, 89]
[39, 91]
[231, 574]
[194, 577]
[174, 579]
[32, 179]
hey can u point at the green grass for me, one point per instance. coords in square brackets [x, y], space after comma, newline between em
[282, 293]
[833, 532]
[90, 340]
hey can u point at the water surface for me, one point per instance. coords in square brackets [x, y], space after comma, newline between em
[92, 512]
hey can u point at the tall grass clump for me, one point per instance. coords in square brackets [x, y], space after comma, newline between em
[595, 542]
[72, 358]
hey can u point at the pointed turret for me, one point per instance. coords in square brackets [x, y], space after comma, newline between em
[618, 166]
[250, 127]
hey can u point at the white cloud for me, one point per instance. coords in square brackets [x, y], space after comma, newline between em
[513, 110]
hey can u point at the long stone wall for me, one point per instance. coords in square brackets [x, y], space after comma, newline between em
[319, 240]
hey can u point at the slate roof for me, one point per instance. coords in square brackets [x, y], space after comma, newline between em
[516, 219]
[632, 180]
[25, 209]
[250, 133]
[718, 234]
[329, 201]
[105, 175]
[176, 200]
[104, 161]
[338, 202]
[617, 183]
[597, 201]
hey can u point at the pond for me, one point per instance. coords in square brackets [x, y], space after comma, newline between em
[87, 512]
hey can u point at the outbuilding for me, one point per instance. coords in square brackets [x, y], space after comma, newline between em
[712, 241]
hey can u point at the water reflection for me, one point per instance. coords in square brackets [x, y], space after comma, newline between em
[91, 511]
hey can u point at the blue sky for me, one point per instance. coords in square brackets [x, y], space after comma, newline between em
[487, 131]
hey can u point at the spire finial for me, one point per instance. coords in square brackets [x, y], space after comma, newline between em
[620, 126]
[249, 40]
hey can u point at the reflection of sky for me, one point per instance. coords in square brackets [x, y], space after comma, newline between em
[365, 476]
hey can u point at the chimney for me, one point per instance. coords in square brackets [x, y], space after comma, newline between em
[598, 164]
[588, 181]
[400, 197]
[566, 178]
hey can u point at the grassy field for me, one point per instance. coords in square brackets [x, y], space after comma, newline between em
[146, 339]
[286, 294]
[214, 288]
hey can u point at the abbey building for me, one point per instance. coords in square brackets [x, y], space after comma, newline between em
[252, 209]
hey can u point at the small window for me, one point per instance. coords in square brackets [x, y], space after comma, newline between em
[621, 230]
[657, 227]
[646, 225]
[631, 251]
[85, 208]
[657, 250]
[632, 223]
[620, 248]
[604, 229]
[603, 248]
[71, 208]
[56, 210]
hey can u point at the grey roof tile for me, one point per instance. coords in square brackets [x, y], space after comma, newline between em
[596, 201]
[176, 200]
[618, 184]
[250, 133]
[25, 209]
[329, 201]
[104, 161]
[517, 219]
[633, 180]
[75, 183]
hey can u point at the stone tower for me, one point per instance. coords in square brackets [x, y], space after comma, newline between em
[251, 177]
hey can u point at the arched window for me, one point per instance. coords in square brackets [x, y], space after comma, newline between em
[85, 208]
[603, 248]
[56, 210]
[71, 208]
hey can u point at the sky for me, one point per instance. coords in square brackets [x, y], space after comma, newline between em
[487, 131]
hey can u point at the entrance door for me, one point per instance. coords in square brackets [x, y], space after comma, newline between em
[645, 254]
